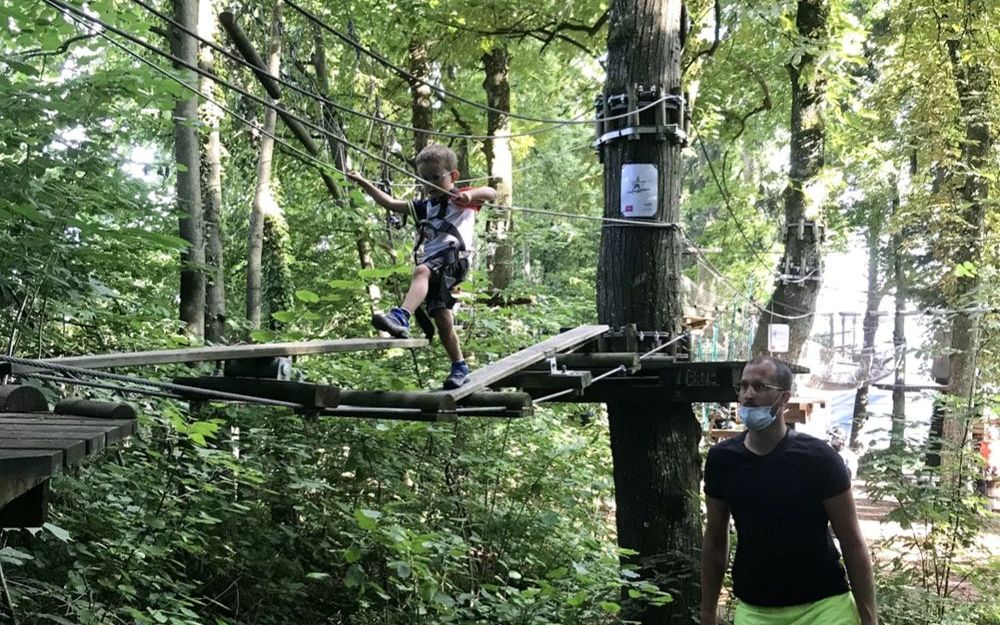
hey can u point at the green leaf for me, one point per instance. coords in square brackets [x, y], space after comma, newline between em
[262, 336]
[307, 296]
[352, 555]
[403, 570]
[611, 607]
[284, 316]
[58, 532]
[366, 518]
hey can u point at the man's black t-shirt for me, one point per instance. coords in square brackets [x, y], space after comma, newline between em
[784, 552]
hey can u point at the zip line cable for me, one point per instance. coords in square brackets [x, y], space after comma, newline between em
[308, 157]
[409, 76]
[729, 208]
[325, 100]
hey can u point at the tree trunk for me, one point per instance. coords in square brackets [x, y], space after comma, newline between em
[341, 161]
[188, 158]
[972, 82]
[420, 93]
[654, 445]
[873, 236]
[263, 201]
[500, 163]
[897, 432]
[215, 287]
[800, 270]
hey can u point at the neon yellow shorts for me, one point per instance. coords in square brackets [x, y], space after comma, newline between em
[835, 610]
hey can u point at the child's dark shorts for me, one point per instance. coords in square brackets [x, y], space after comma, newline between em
[448, 269]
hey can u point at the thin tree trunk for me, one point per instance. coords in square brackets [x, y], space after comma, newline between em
[215, 287]
[897, 432]
[654, 445]
[341, 161]
[420, 93]
[500, 163]
[263, 202]
[188, 158]
[801, 268]
[873, 235]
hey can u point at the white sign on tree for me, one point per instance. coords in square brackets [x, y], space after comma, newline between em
[777, 338]
[639, 182]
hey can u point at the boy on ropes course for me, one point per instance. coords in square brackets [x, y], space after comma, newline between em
[446, 223]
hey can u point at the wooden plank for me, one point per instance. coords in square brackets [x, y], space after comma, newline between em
[30, 462]
[309, 395]
[94, 438]
[479, 379]
[225, 352]
[74, 449]
[114, 429]
[519, 402]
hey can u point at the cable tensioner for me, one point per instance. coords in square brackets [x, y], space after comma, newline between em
[640, 111]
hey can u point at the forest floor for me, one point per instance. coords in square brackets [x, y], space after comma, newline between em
[878, 532]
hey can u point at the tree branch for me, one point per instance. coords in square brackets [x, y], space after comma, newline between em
[62, 49]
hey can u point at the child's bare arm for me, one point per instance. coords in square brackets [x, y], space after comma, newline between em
[478, 195]
[381, 198]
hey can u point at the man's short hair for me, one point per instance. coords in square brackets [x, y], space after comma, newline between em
[782, 373]
[440, 155]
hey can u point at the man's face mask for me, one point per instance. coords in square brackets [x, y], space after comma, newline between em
[757, 418]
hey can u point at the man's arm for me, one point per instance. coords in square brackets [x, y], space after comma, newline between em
[381, 198]
[844, 520]
[714, 557]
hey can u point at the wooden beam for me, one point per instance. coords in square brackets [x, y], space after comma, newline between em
[503, 368]
[593, 361]
[95, 409]
[26, 463]
[578, 380]
[224, 352]
[22, 398]
[519, 402]
[413, 400]
[27, 498]
[310, 396]
[74, 449]
[911, 387]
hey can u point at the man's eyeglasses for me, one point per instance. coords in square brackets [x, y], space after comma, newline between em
[756, 385]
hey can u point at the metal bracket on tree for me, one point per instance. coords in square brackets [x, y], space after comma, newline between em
[639, 111]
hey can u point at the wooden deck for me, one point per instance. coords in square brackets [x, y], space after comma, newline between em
[37, 445]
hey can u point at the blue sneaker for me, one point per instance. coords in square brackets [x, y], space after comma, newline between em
[457, 377]
[396, 322]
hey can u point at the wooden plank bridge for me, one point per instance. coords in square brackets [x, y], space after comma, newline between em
[589, 363]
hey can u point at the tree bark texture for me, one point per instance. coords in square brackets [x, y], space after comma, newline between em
[211, 115]
[263, 201]
[972, 82]
[654, 445]
[420, 93]
[873, 237]
[188, 158]
[500, 163]
[801, 268]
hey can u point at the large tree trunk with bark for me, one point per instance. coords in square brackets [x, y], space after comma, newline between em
[972, 82]
[188, 158]
[794, 296]
[654, 444]
[500, 163]
[215, 286]
[263, 202]
[873, 236]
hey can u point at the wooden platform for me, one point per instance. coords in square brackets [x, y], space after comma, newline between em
[35, 446]
[224, 352]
